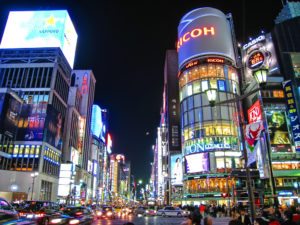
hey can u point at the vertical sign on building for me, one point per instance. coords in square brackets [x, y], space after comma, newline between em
[295, 124]
[254, 113]
[81, 133]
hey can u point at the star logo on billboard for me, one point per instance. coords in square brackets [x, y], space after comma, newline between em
[51, 21]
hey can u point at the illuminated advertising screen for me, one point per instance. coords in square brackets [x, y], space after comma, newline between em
[197, 163]
[278, 131]
[81, 134]
[54, 127]
[259, 53]
[98, 126]
[38, 29]
[10, 116]
[204, 31]
[176, 169]
[31, 122]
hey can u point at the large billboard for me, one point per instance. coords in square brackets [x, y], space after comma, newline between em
[196, 163]
[10, 115]
[259, 53]
[278, 130]
[98, 125]
[31, 122]
[204, 31]
[37, 29]
[54, 127]
[176, 169]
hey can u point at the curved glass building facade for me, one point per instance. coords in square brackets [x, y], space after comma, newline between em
[210, 134]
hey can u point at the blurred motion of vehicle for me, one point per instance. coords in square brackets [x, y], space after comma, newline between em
[170, 211]
[8, 215]
[73, 215]
[39, 211]
[150, 211]
[140, 210]
[107, 212]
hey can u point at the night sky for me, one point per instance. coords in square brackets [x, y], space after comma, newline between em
[124, 43]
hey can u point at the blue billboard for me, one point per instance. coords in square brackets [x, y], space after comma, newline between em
[38, 29]
[98, 125]
[176, 169]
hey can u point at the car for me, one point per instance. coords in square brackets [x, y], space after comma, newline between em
[170, 211]
[150, 212]
[39, 211]
[8, 215]
[140, 210]
[107, 212]
[73, 215]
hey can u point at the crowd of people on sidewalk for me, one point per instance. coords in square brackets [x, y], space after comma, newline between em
[239, 215]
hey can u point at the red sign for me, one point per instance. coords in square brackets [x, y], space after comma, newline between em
[195, 33]
[254, 113]
[81, 134]
[215, 60]
[84, 85]
[256, 59]
[191, 64]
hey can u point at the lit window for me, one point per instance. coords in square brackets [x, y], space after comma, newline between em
[204, 85]
[190, 90]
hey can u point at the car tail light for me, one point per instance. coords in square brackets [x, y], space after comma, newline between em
[55, 221]
[78, 213]
[99, 213]
[22, 214]
[40, 214]
[74, 221]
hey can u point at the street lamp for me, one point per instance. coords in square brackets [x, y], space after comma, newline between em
[261, 76]
[33, 175]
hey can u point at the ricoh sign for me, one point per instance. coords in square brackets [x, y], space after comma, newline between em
[201, 32]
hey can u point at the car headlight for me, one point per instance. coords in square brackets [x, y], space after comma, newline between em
[147, 211]
[109, 213]
[154, 211]
[99, 213]
[55, 221]
[74, 221]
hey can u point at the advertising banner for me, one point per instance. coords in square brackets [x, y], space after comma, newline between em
[31, 122]
[254, 113]
[252, 135]
[176, 169]
[37, 29]
[54, 127]
[196, 163]
[278, 131]
[295, 123]
[259, 53]
[11, 113]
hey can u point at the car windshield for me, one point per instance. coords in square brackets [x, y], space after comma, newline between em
[35, 206]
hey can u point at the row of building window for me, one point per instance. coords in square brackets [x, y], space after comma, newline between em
[19, 164]
[203, 85]
[206, 71]
[33, 77]
[61, 86]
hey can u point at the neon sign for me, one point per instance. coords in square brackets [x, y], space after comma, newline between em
[195, 33]
[81, 134]
[253, 42]
[84, 84]
[199, 147]
[215, 60]
[256, 59]
[254, 113]
[192, 64]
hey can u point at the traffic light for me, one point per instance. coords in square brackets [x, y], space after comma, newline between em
[224, 195]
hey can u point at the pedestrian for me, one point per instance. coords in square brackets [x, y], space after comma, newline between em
[244, 218]
[273, 220]
[288, 218]
[234, 222]
[207, 221]
[189, 221]
[202, 210]
[196, 216]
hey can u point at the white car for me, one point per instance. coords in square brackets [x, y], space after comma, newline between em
[170, 211]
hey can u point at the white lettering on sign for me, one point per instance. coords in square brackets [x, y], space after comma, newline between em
[253, 42]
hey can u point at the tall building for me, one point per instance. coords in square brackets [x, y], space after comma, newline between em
[290, 10]
[36, 65]
[210, 135]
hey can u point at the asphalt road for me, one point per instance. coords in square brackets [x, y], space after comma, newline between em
[156, 220]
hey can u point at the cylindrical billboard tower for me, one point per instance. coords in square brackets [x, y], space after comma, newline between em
[210, 143]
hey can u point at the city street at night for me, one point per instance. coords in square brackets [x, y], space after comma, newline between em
[156, 220]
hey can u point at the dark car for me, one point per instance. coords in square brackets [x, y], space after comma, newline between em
[39, 211]
[74, 215]
[141, 210]
[106, 212]
[8, 215]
